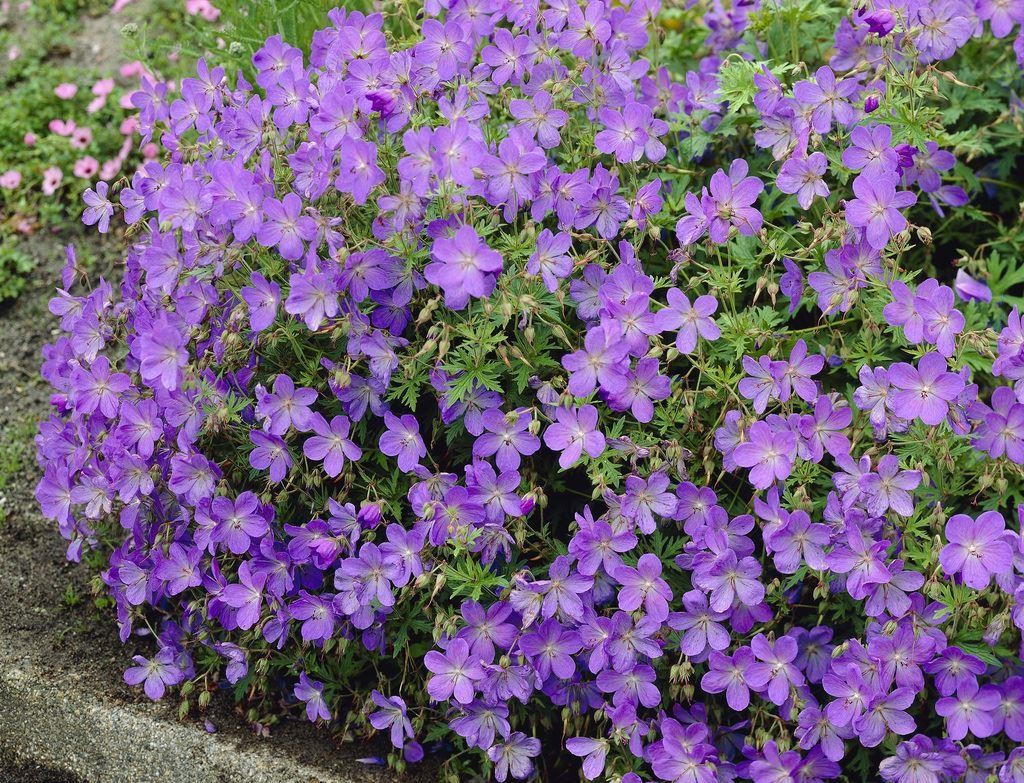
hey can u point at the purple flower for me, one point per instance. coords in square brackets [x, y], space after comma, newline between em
[876, 210]
[573, 432]
[285, 227]
[971, 290]
[888, 487]
[645, 498]
[286, 407]
[359, 172]
[562, 590]
[602, 361]
[238, 522]
[954, 668]
[313, 296]
[480, 723]
[99, 209]
[592, 751]
[158, 673]
[312, 693]
[163, 353]
[924, 392]
[487, 630]
[776, 661]
[827, 99]
[940, 319]
[797, 542]
[824, 430]
[316, 613]
[1001, 429]
[885, 712]
[764, 381]
[768, 453]
[625, 132]
[540, 117]
[98, 389]
[804, 177]
[969, 710]
[551, 260]
[596, 544]
[463, 266]
[791, 283]
[977, 549]
[860, 559]
[730, 198]
[271, 454]
[737, 675]
[732, 578]
[795, 374]
[815, 729]
[644, 384]
[690, 321]
[871, 152]
[392, 715]
[262, 299]
[512, 757]
[550, 648]
[643, 586]
[701, 626]
[402, 439]
[455, 672]
[246, 597]
[331, 443]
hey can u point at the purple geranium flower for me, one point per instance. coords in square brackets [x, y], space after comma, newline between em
[158, 673]
[924, 392]
[573, 432]
[876, 210]
[312, 693]
[402, 439]
[769, 454]
[330, 443]
[455, 672]
[977, 549]
[463, 266]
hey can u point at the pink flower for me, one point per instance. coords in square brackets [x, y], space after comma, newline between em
[30, 139]
[52, 178]
[96, 104]
[109, 169]
[86, 167]
[9, 180]
[202, 8]
[65, 91]
[103, 87]
[80, 138]
[13, 53]
[62, 127]
[134, 68]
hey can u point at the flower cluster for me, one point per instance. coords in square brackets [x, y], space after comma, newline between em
[443, 383]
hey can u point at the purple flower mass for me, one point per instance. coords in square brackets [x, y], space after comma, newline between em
[573, 388]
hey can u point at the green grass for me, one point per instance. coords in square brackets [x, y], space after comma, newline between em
[16, 446]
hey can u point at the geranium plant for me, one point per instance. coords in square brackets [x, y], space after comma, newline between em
[519, 378]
